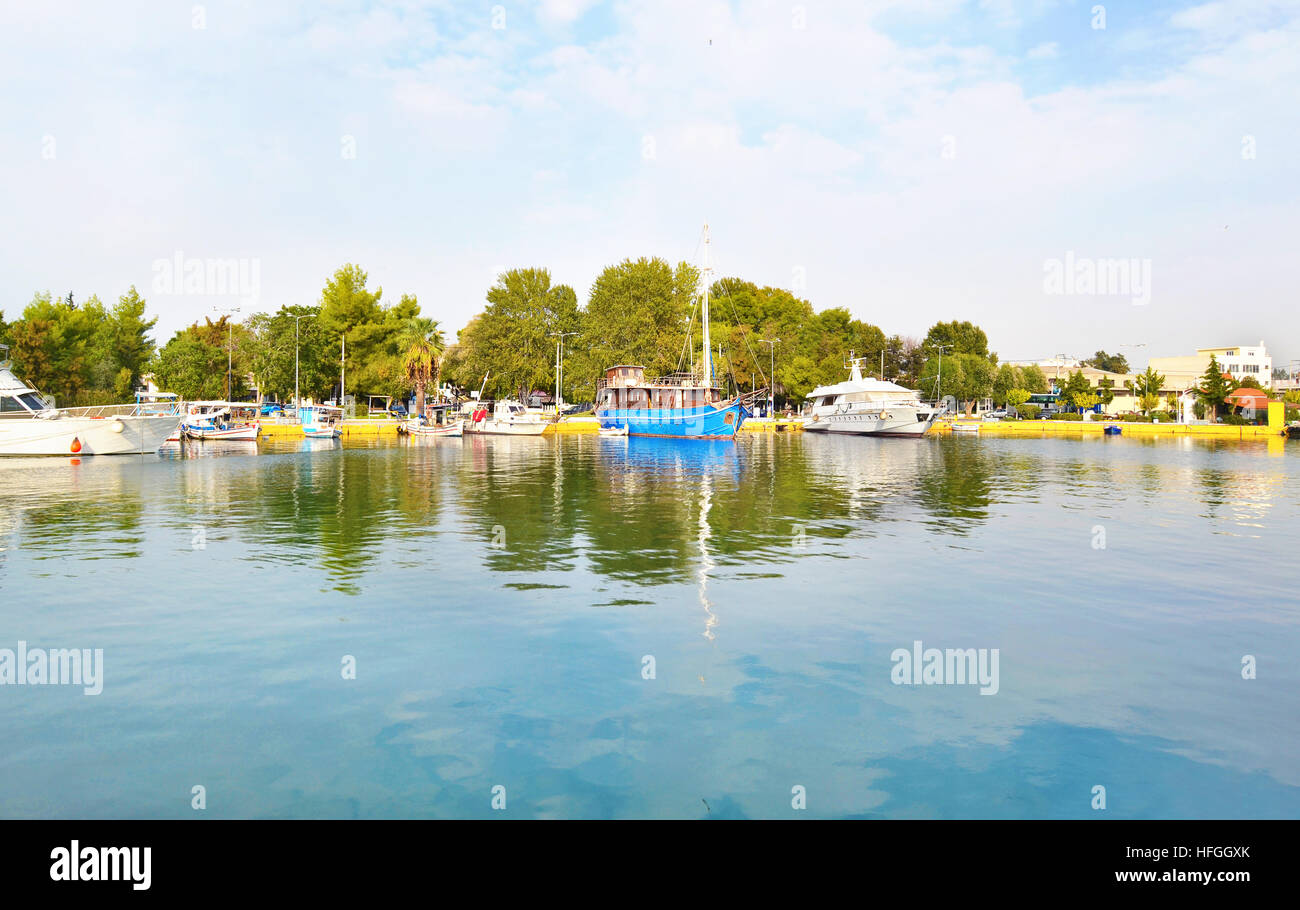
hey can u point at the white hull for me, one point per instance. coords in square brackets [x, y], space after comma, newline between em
[76, 436]
[449, 431]
[494, 427]
[234, 434]
[868, 424]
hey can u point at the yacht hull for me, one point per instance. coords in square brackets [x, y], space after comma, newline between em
[77, 436]
[870, 425]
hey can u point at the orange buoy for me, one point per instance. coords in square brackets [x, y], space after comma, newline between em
[76, 445]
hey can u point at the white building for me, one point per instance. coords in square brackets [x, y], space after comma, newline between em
[1239, 362]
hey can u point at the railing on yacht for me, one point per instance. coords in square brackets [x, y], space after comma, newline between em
[105, 411]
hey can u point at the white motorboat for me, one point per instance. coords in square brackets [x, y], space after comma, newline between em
[29, 425]
[508, 418]
[869, 407]
[223, 420]
[613, 432]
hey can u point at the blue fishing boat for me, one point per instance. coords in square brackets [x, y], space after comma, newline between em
[680, 405]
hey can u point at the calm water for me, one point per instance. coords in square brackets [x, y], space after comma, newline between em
[500, 598]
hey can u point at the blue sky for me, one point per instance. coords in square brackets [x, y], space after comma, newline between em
[910, 161]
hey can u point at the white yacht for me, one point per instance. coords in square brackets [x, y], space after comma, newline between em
[868, 407]
[30, 426]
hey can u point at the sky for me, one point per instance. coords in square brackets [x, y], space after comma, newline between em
[910, 161]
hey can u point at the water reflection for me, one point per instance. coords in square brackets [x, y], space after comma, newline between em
[500, 594]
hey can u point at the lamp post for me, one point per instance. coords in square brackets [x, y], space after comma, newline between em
[296, 320]
[771, 397]
[559, 369]
[230, 344]
[1135, 346]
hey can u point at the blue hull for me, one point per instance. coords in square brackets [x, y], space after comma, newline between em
[707, 422]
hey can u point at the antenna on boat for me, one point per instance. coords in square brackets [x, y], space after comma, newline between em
[708, 355]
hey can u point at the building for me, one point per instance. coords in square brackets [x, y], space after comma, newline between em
[1252, 361]
[1058, 370]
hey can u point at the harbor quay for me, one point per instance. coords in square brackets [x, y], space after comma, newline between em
[578, 426]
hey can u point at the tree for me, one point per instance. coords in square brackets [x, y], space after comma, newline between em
[193, 367]
[1111, 363]
[423, 342]
[1006, 379]
[1148, 382]
[132, 347]
[1214, 388]
[1034, 379]
[1148, 401]
[271, 347]
[62, 348]
[1076, 386]
[1249, 382]
[1106, 391]
[966, 377]
[637, 312]
[1017, 397]
[511, 341]
[964, 338]
[1084, 401]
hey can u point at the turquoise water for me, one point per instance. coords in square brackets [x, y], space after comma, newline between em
[500, 597]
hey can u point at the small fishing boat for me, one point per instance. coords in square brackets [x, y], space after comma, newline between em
[613, 432]
[507, 418]
[1113, 429]
[437, 420]
[320, 421]
[415, 427]
[220, 420]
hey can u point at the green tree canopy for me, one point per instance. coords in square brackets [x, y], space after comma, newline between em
[512, 341]
[962, 337]
[1215, 386]
[1111, 363]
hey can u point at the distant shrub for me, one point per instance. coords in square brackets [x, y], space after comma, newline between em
[1292, 414]
[1028, 411]
[1073, 415]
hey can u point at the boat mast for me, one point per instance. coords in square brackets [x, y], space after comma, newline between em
[708, 355]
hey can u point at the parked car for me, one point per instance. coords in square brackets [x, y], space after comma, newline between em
[397, 409]
[270, 408]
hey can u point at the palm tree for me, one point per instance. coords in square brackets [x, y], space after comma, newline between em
[423, 343]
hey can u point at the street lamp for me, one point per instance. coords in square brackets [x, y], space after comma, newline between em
[771, 398]
[559, 369]
[230, 344]
[296, 320]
